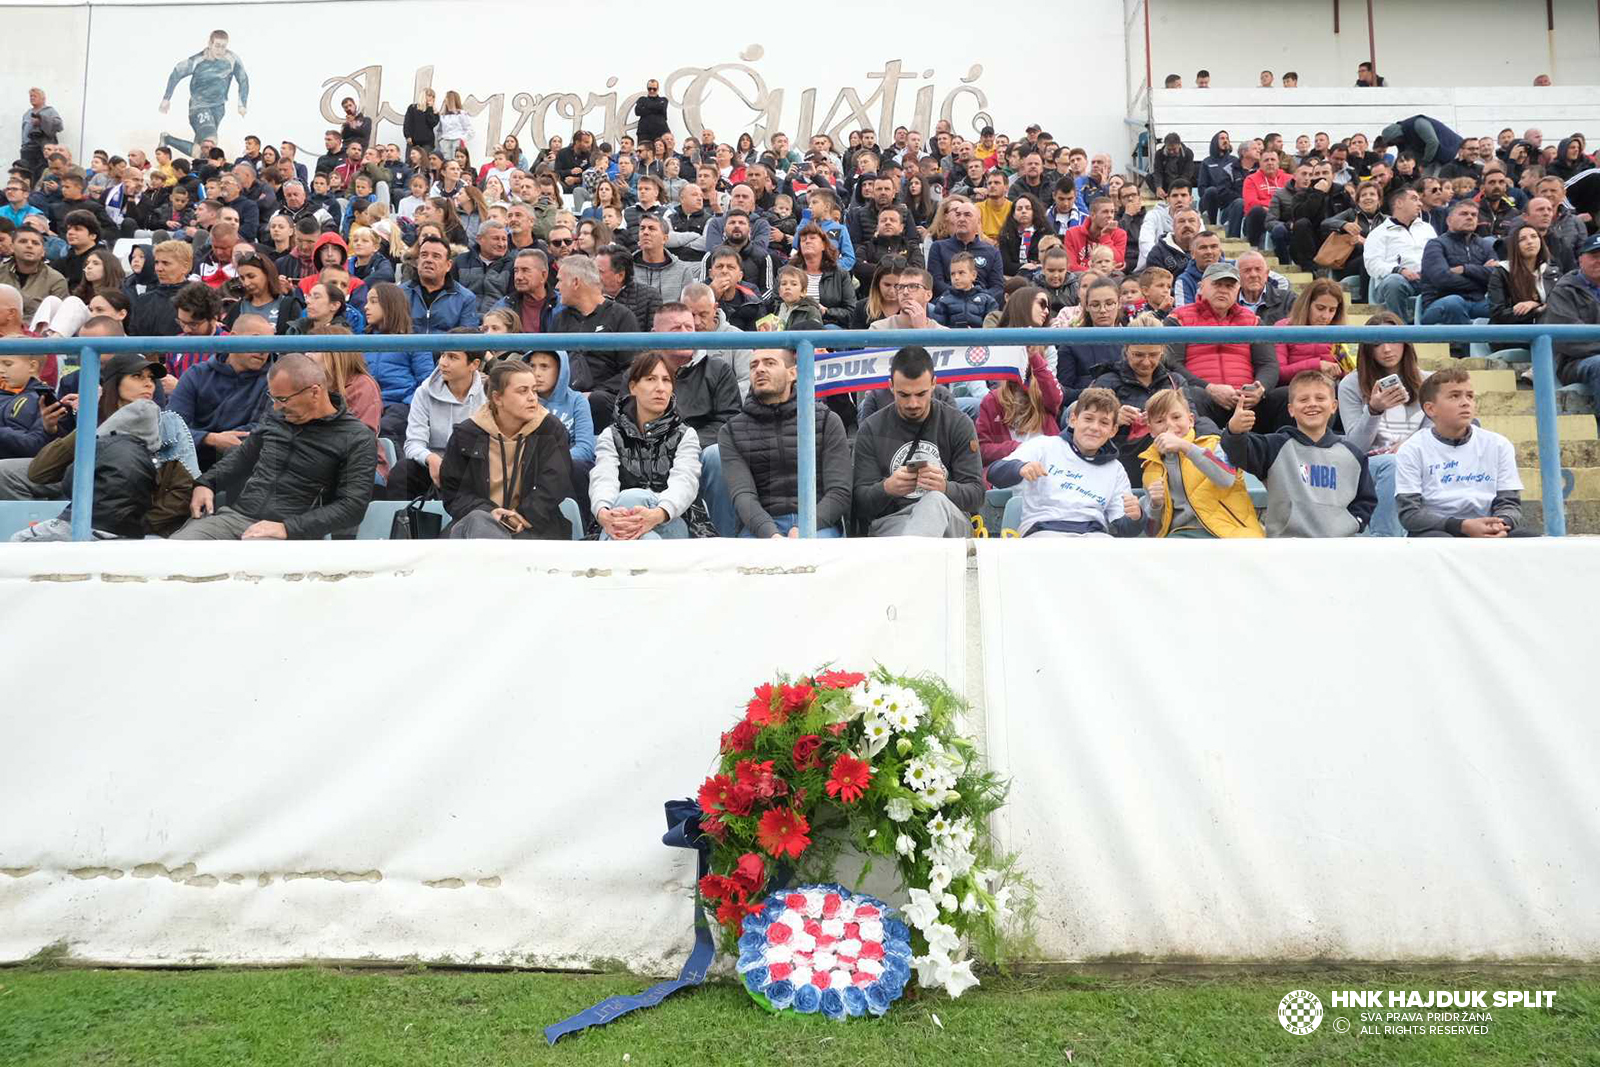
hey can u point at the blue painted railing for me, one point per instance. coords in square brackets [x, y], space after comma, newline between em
[1538, 338]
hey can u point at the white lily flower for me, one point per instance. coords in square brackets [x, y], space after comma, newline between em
[929, 968]
[956, 978]
[939, 878]
[906, 845]
[942, 938]
[923, 911]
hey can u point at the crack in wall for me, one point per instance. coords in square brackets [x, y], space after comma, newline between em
[189, 875]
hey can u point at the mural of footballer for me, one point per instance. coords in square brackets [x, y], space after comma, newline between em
[210, 72]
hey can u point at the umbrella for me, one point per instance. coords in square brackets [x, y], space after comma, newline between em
[1583, 192]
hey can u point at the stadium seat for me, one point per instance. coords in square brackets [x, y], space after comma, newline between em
[1416, 312]
[569, 508]
[379, 519]
[1258, 492]
[386, 450]
[1514, 355]
[1013, 514]
[18, 515]
[1479, 349]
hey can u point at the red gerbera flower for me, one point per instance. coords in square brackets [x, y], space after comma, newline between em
[716, 887]
[839, 679]
[849, 778]
[720, 792]
[797, 697]
[713, 825]
[782, 832]
[759, 710]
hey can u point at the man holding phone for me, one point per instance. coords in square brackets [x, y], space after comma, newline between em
[917, 470]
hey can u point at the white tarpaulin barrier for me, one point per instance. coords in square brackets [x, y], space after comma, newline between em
[1298, 750]
[452, 751]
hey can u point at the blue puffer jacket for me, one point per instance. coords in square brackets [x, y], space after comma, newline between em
[572, 408]
[398, 372]
[962, 310]
[456, 306]
[22, 431]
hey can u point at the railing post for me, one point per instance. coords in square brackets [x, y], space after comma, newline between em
[806, 435]
[83, 448]
[1544, 406]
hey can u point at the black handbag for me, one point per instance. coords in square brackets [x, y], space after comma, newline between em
[412, 523]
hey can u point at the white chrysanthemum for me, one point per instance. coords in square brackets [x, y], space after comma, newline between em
[939, 826]
[922, 912]
[898, 809]
[904, 719]
[920, 775]
[939, 878]
[905, 845]
[875, 734]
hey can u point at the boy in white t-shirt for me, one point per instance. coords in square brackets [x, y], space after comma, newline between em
[1455, 479]
[1075, 487]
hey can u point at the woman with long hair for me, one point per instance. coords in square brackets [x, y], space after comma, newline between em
[1357, 222]
[367, 260]
[455, 125]
[449, 220]
[260, 288]
[745, 149]
[921, 200]
[398, 372]
[830, 286]
[1520, 284]
[324, 307]
[507, 468]
[1319, 304]
[646, 473]
[463, 158]
[133, 434]
[102, 272]
[883, 299]
[472, 209]
[592, 236]
[605, 195]
[1077, 365]
[1017, 236]
[1012, 413]
[514, 152]
[348, 376]
[1377, 419]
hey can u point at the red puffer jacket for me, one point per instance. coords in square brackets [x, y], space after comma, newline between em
[1224, 364]
[1294, 358]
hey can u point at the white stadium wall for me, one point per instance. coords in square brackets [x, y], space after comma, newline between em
[458, 751]
[730, 73]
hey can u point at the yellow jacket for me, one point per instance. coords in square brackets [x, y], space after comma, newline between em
[1223, 512]
[992, 217]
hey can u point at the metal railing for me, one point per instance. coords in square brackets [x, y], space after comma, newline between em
[1538, 338]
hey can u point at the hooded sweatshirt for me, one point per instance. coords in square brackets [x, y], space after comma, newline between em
[1221, 171]
[435, 411]
[572, 408]
[530, 471]
[213, 397]
[312, 274]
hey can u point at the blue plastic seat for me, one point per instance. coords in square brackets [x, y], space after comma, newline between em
[569, 508]
[18, 515]
[1258, 492]
[1479, 349]
[386, 450]
[996, 498]
[379, 519]
[1514, 355]
[1416, 312]
[1013, 514]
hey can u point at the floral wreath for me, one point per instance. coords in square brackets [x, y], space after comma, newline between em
[882, 763]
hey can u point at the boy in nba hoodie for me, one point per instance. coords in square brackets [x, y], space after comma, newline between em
[1076, 486]
[1317, 483]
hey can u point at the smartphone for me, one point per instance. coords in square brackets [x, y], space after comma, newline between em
[1253, 388]
[916, 466]
[47, 398]
[505, 520]
[1390, 382]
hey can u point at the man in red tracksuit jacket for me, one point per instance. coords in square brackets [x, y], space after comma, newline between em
[1258, 190]
[1100, 228]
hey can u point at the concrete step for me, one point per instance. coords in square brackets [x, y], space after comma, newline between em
[1577, 483]
[1520, 402]
[1573, 453]
[1298, 279]
[1583, 516]
[1522, 427]
[1492, 381]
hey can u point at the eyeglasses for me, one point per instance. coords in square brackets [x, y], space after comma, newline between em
[907, 286]
[560, 242]
[279, 401]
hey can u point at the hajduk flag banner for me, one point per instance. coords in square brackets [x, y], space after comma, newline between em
[863, 369]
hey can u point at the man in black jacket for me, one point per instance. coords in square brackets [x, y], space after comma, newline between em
[1575, 301]
[616, 281]
[1221, 179]
[651, 109]
[598, 373]
[486, 270]
[306, 471]
[917, 472]
[1174, 161]
[759, 453]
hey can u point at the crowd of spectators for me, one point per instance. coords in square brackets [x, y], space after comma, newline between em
[650, 234]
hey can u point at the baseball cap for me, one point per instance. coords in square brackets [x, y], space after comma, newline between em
[125, 363]
[1221, 270]
[1592, 244]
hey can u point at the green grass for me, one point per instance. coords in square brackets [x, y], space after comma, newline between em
[350, 1018]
